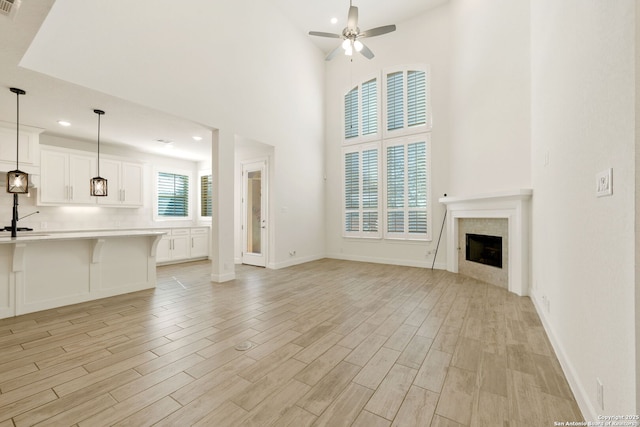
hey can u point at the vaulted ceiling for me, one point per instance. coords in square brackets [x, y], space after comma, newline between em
[128, 123]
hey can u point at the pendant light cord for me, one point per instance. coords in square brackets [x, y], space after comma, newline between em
[99, 144]
[17, 129]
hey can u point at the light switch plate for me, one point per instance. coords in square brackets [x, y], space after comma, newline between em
[604, 183]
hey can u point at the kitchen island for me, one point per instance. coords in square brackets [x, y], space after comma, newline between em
[43, 271]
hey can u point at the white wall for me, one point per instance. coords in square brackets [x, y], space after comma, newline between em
[583, 121]
[239, 67]
[490, 97]
[424, 39]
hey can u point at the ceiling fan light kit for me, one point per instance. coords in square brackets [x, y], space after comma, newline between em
[351, 34]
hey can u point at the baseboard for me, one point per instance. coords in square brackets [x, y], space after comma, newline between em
[294, 261]
[219, 278]
[582, 397]
[390, 261]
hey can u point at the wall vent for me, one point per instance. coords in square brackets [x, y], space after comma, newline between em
[9, 7]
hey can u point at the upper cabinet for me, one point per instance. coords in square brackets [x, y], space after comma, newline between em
[124, 181]
[65, 176]
[29, 145]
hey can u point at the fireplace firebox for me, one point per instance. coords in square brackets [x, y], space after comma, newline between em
[484, 249]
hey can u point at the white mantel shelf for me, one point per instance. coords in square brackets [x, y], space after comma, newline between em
[515, 206]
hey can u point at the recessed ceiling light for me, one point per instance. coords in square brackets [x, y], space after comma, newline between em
[197, 138]
[64, 123]
[334, 20]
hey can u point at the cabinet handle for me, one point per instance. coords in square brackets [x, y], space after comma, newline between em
[71, 192]
[124, 195]
[192, 243]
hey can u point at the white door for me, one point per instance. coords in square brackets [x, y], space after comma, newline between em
[254, 207]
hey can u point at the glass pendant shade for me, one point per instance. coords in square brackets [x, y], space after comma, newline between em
[17, 182]
[98, 184]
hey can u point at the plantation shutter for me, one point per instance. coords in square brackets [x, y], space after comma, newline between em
[395, 188]
[352, 192]
[417, 187]
[395, 101]
[351, 114]
[173, 195]
[416, 98]
[206, 192]
[370, 190]
[370, 107]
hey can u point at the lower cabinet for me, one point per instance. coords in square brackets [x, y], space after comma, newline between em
[183, 244]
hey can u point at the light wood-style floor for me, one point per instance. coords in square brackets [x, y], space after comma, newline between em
[334, 343]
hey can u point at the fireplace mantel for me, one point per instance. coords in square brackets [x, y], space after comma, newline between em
[515, 206]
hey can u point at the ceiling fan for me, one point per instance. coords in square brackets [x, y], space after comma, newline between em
[351, 35]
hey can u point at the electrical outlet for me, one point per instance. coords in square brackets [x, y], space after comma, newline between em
[292, 253]
[600, 392]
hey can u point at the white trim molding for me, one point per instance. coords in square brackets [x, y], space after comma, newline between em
[515, 206]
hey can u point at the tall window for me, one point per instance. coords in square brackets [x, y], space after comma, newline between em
[206, 195]
[406, 175]
[173, 195]
[387, 182]
[361, 115]
[362, 191]
[407, 101]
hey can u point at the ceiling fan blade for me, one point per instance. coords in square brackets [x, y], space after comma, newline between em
[333, 53]
[352, 21]
[366, 52]
[378, 31]
[321, 34]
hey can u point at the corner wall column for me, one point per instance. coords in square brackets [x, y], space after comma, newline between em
[222, 222]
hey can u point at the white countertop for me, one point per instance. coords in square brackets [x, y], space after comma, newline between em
[34, 236]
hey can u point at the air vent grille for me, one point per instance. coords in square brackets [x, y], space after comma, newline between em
[9, 7]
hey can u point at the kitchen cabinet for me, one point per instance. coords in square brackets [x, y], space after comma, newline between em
[65, 178]
[66, 175]
[199, 242]
[174, 245]
[29, 147]
[124, 181]
[182, 244]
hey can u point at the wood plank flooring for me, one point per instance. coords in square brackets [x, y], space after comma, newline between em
[334, 343]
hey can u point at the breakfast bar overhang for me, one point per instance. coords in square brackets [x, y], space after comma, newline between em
[44, 271]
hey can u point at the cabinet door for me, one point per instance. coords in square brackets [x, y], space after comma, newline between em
[199, 242]
[54, 178]
[28, 147]
[81, 170]
[131, 184]
[180, 247]
[163, 251]
[110, 169]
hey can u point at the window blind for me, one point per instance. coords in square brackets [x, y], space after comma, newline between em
[370, 107]
[395, 101]
[395, 176]
[352, 191]
[173, 195]
[416, 98]
[206, 193]
[351, 114]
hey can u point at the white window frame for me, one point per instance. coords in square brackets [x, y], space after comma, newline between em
[395, 133]
[370, 137]
[360, 233]
[199, 207]
[189, 175]
[423, 137]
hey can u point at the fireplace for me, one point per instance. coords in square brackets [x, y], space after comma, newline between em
[484, 249]
[512, 207]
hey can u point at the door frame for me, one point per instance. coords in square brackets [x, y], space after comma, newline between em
[261, 164]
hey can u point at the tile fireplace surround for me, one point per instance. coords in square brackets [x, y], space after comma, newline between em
[515, 206]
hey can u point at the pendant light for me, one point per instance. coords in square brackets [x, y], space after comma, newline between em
[17, 181]
[98, 184]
